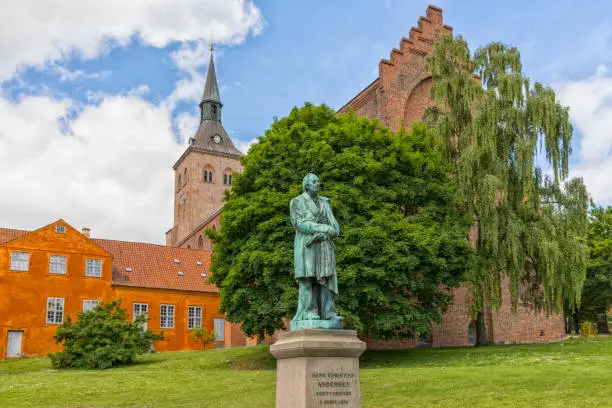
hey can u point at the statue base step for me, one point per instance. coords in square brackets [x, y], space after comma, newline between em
[333, 324]
[317, 368]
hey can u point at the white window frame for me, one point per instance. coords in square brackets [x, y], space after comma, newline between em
[54, 264]
[138, 309]
[21, 265]
[194, 317]
[55, 310]
[90, 305]
[60, 229]
[93, 267]
[166, 316]
[219, 334]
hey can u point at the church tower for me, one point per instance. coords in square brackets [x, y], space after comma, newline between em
[205, 169]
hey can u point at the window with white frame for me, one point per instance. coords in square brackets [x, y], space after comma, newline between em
[57, 264]
[60, 229]
[93, 268]
[219, 329]
[166, 317]
[90, 305]
[194, 317]
[55, 310]
[20, 261]
[139, 309]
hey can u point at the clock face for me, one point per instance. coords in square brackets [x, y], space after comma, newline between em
[217, 139]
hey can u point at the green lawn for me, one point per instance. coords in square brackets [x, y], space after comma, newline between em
[572, 373]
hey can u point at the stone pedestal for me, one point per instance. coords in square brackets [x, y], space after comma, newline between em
[318, 368]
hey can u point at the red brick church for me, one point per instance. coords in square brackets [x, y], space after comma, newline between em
[399, 95]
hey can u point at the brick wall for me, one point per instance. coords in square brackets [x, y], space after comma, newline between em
[194, 198]
[400, 94]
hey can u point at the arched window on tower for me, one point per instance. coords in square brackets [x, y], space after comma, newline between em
[185, 176]
[227, 177]
[179, 184]
[200, 243]
[208, 175]
[213, 110]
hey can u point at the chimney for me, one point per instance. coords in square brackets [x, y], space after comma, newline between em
[86, 231]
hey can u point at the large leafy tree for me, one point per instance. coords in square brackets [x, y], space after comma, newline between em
[400, 240]
[496, 126]
[597, 292]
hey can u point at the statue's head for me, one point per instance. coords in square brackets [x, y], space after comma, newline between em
[310, 183]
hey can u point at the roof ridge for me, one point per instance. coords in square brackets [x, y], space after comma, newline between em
[147, 243]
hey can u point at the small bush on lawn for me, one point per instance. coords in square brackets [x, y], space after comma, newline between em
[203, 334]
[588, 330]
[102, 338]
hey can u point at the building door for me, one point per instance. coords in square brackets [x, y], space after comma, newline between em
[13, 348]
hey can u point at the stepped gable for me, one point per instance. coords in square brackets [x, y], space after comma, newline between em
[155, 266]
[400, 94]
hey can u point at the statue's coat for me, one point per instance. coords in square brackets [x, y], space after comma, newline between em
[313, 253]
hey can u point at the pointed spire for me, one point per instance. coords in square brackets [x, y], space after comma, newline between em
[210, 107]
[211, 89]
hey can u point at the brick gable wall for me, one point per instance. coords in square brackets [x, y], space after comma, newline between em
[399, 96]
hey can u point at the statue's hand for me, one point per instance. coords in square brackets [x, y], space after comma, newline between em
[316, 237]
[331, 232]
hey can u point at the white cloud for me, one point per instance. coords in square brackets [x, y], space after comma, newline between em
[36, 32]
[186, 125]
[106, 166]
[245, 146]
[590, 102]
[112, 173]
[66, 75]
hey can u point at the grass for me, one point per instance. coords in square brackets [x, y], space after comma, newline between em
[573, 373]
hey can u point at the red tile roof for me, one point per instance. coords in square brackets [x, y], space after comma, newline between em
[154, 266]
[7, 235]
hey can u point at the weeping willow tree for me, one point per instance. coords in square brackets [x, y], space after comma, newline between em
[529, 223]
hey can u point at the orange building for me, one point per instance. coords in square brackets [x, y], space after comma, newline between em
[56, 271]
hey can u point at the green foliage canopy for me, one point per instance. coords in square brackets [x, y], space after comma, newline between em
[495, 125]
[597, 292]
[399, 238]
[102, 338]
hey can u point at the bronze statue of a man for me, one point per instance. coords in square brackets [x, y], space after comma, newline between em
[315, 262]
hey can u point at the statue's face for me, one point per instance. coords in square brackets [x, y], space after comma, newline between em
[313, 184]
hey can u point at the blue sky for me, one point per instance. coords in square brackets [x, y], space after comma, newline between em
[112, 88]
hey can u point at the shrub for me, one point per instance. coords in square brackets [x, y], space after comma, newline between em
[205, 336]
[102, 338]
[588, 329]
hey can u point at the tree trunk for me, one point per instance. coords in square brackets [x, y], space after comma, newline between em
[481, 329]
[576, 324]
